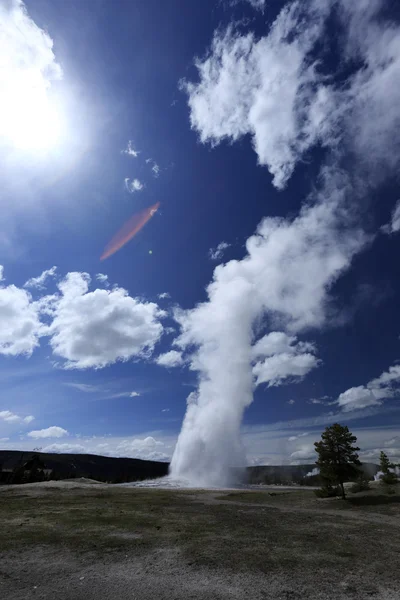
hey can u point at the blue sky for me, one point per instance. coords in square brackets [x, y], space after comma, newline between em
[269, 134]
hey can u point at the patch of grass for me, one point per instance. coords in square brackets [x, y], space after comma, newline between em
[259, 538]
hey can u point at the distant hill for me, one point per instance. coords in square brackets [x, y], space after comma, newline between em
[101, 468]
[121, 470]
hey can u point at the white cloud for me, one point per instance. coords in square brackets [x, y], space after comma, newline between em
[156, 169]
[357, 397]
[148, 449]
[64, 449]
[134, 394]
[4, 439]
[305, 452]
[84, 387]
[103, 279]
[218, 252]
[291, 402]
[378, 389]
[273, 90]
[324, 400]
[50, 432]
[39, 282]
[164, 410]
[292, 438]
[170, 359]
[257, 4]
[263, 88]
[130, 150]
[9, 417]
[28, 68]
[99, 328]
[164, 295]
[284, 358]
[387, 379]
[133, 185]
[20, 326]
[275, 369]
[394, 224]
[1, 273]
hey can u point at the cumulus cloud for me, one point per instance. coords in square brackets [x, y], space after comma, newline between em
[173, 358]
[9, 417]
[218, 252]
[1, 273]
[164, 295]
[263, 87]
[133, 185]
[134, 394]
[28, 69]
[99, 328]
[20, 326]
[357, 397]
[40, 282]
[273, 89]
[130, 150]
[50, 432]
[284, 359]
[383, 387]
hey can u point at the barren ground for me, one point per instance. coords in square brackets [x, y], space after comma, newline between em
[69, 541]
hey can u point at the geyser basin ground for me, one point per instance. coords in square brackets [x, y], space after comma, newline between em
[179, 483]
[72, 540]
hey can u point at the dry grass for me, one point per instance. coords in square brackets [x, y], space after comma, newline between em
[291, 535]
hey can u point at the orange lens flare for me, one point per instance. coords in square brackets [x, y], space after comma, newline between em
[129, 230]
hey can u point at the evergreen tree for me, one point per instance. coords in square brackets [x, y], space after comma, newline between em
[388, 477]
[337, 456]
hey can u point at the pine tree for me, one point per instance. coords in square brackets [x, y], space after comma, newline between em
[337, 456]
[388, 477]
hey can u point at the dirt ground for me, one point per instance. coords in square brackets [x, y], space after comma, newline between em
[67, 541]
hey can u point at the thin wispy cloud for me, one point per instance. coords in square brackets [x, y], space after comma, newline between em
[40, 281]
[133, 185]
[218, 252]
[130, 150]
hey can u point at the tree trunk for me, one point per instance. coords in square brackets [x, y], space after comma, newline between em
[343, 492]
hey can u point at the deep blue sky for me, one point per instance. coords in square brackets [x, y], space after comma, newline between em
[122, 63]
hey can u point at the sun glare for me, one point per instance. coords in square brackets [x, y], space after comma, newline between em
[31, 122]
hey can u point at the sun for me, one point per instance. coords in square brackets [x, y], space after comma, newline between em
[31, 119]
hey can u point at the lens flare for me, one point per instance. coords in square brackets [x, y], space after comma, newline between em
[129, 230]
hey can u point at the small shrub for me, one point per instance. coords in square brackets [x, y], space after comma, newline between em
[328, 492]
[361, 485]
[389, 478]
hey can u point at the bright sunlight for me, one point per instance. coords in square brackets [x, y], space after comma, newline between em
[30, 122]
